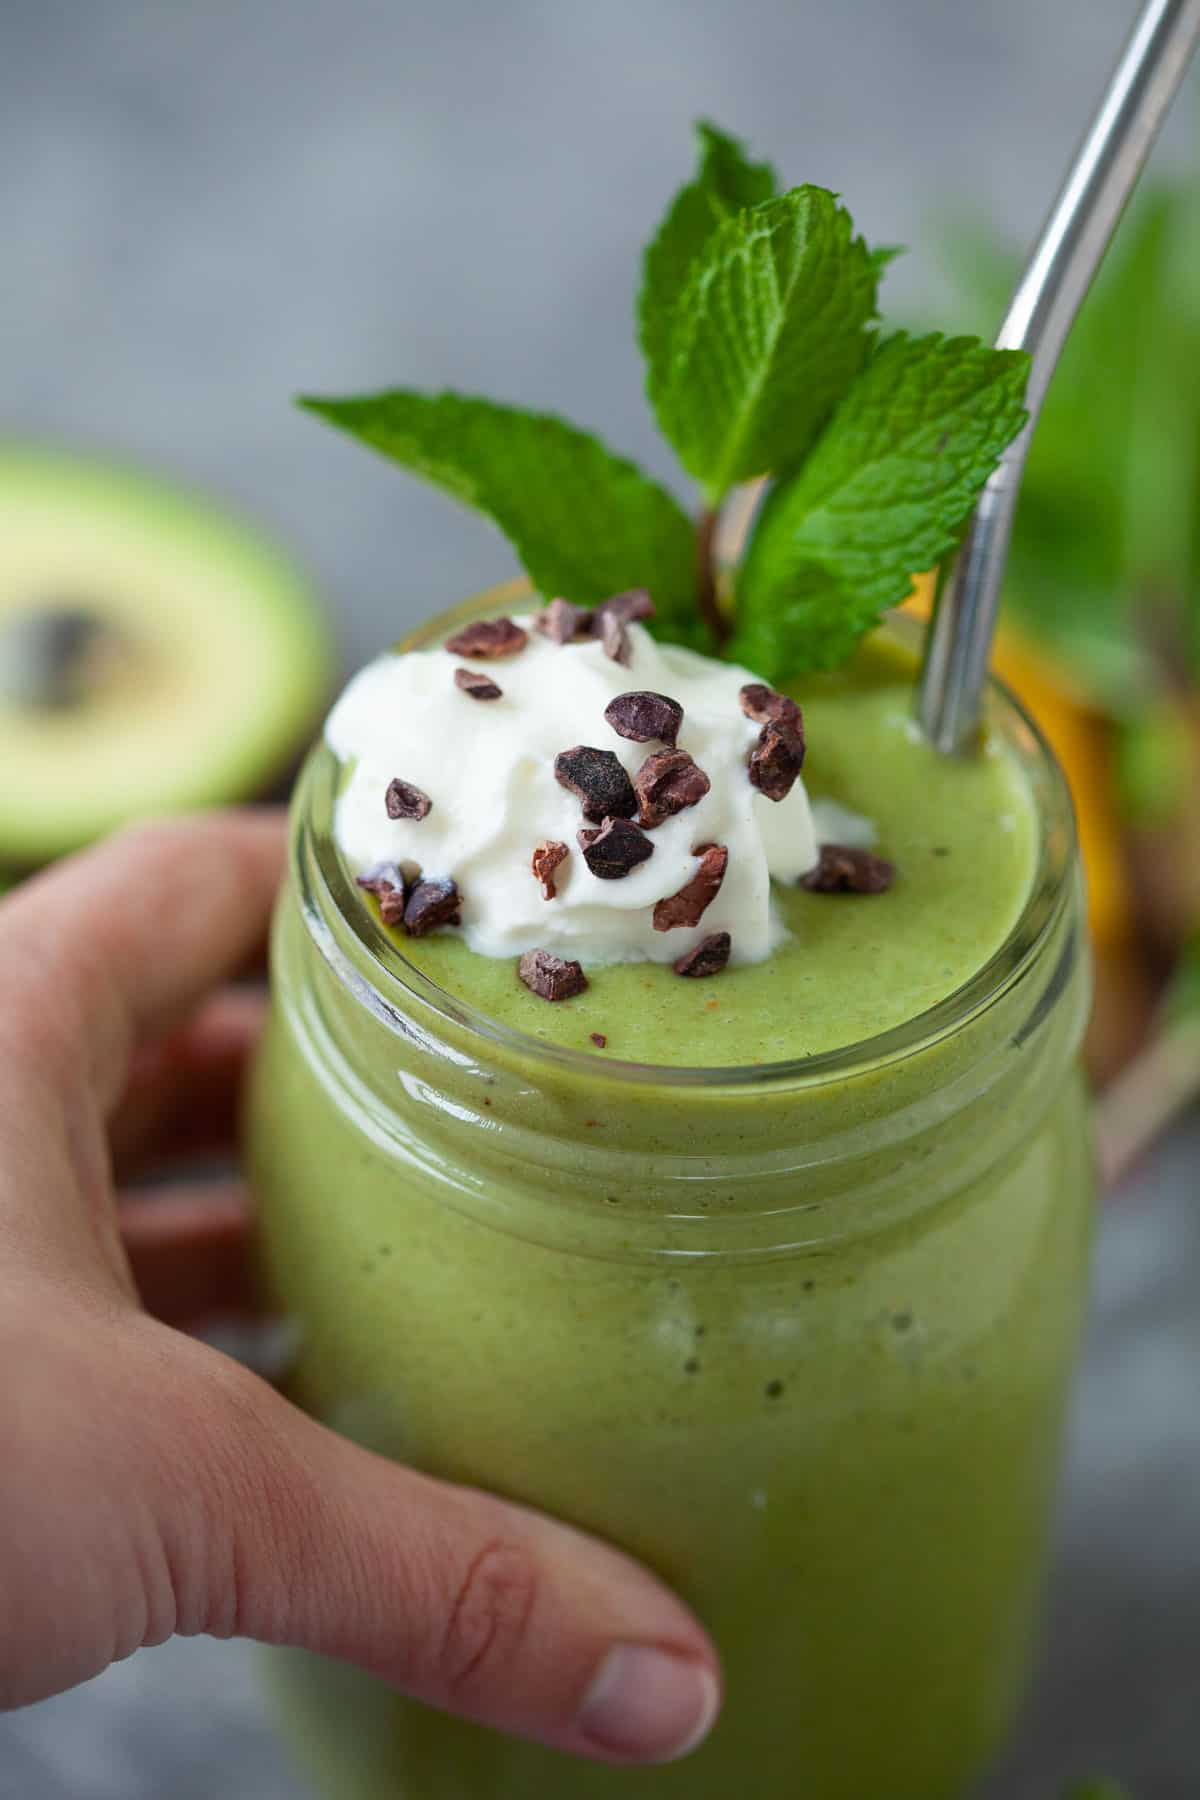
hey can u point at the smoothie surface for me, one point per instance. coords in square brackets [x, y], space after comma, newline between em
[962, 833]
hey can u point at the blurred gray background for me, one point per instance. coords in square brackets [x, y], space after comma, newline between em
[206, 205]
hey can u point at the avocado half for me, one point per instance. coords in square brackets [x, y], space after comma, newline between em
[154, 655]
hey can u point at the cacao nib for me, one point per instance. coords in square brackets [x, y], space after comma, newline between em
[615, 848]
[563, 623]
[843, 870]
[667, 782]
[551, 977]
[479, 687]
[631, 605]
[615, 638]
[688, 906]
[432, 903]
[546, 859]
[776, 760]
[600, 781]
[386, 881]
[488, 639]
[404, 801]
[708, 958]
[762, 704]
[642, 716]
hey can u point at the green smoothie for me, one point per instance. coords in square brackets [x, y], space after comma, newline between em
[788, 1310]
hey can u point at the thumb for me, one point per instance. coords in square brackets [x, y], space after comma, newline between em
[452, 1596]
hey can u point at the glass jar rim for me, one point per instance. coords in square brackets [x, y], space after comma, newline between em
[396, 987]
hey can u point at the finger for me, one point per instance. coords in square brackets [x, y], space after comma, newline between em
[114, 946]
[184, 1093]
[450, 1595]
[188, 1248]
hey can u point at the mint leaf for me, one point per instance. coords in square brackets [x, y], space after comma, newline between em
[584, 522]
[884, 255]
[725, 182]
[884, 494]
[769, 331]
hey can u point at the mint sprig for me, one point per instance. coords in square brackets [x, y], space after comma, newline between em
[882, 494]
[757, 320]
[768, 333]
[584, 522]
[726, 181]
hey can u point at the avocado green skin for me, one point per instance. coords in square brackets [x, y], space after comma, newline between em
[210, 570]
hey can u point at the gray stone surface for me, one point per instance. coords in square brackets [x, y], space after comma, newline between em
[206, 206]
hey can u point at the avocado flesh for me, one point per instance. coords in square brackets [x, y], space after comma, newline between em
[228, 661]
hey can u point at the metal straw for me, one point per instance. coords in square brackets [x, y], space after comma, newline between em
[1042, 310]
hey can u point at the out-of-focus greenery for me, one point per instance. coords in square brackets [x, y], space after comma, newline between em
[1105, 565]
[1104, 573]
[1183, 996]
[1096, 1790]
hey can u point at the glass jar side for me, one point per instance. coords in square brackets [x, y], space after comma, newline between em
[838, 1444]
[799, 1337]
[717, 1160]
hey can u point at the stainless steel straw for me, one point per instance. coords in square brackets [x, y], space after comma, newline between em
[1042, 310]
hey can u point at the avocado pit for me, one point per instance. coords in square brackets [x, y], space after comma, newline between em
[59, 655]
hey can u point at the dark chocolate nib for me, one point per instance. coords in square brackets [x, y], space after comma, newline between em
[432, 903]
[599, 780]
[762, 704]
[642, 716]
[708, 958]
[614, 848]
[842, 870]
[612, 616]
[386, 881]
[545, 861]
[480, 687]
[667, 782]
[404, 801]
[551, 977]
[776, 760]
[562, 623]
[615, 638]
[778, 756]
[688, 906]
[632, 604]
[488, 638]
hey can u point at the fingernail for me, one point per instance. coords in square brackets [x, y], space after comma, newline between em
[649, 1705]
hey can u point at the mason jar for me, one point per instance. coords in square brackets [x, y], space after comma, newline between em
[798, 1335]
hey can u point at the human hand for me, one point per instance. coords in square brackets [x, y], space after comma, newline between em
[150, 1485]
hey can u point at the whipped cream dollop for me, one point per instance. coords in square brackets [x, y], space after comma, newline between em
[487, 766]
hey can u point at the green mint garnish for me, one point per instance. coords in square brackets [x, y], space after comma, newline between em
[725, 183]
[1104, 570]
[756, 318]
[884, 255]
[770, 329]
[882, 494]
[585, 523]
